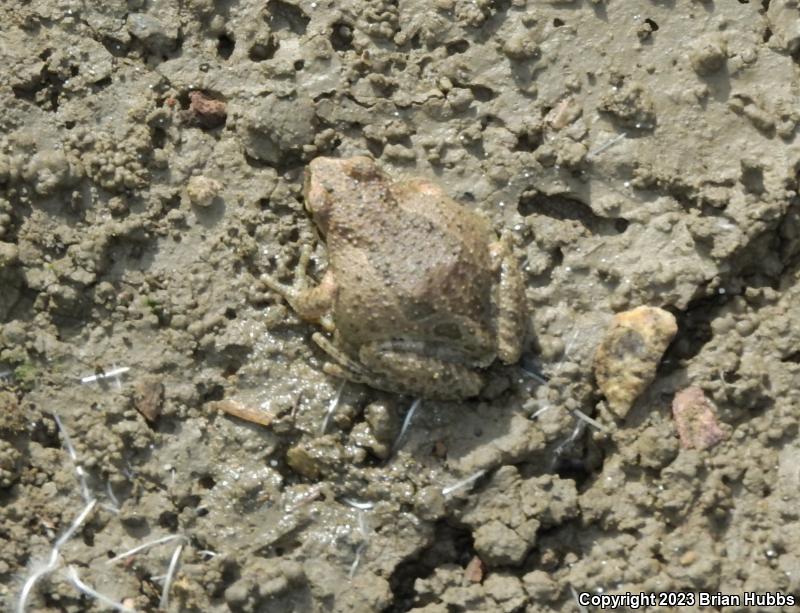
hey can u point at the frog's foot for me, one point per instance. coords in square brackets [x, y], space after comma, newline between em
[341, 372]
[291, 292]
[407, 368]
[310, 303]
[346, 366]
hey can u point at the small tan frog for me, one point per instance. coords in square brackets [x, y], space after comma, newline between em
[419, 292]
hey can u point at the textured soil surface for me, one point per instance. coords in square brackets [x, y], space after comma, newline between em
[151, 170]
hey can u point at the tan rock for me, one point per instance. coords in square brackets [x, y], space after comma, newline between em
[148, 397]
[627, 358]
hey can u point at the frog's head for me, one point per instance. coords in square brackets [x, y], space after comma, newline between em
[333, 183]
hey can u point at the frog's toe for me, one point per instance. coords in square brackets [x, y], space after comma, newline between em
[337, 354]
[341, 372]
[286, 291]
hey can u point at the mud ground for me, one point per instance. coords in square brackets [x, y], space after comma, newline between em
[151, 160]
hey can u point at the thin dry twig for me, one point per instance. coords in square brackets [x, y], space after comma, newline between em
[242, 411]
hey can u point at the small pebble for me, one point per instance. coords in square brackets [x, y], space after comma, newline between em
[627, 358]
[696, 419]
[208, 112]
[148, 398]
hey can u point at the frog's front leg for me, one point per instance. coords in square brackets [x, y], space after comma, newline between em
[510, 302]
[411, 368]
[310, 303]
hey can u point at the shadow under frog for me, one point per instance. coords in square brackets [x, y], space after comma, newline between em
[420, 293]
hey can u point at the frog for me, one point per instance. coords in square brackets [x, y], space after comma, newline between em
[420, 294]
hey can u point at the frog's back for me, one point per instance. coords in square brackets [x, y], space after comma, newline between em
[420, 272]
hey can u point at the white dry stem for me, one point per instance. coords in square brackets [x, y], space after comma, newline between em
[592, 422]
[606, 145]
[406, 423]
[72, 575]
[362, 524]
[74, 456]
[111, 496]
[208, 553]
[364, 529]
[559, 366]
[357, 504]
[446, 491]
[113, 373]
[173, 567]
[544, 409]
[534, 375]
[581, 608]
[331, 409]
[52, 562]
[567, 349]
[575, 412]
[142, 547]
[357, 561]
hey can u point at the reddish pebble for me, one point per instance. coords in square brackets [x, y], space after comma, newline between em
[696, 419]
[208, 112]
[475, 570]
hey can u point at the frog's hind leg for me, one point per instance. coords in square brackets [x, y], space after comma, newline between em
[403, 368]
[407, 368]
